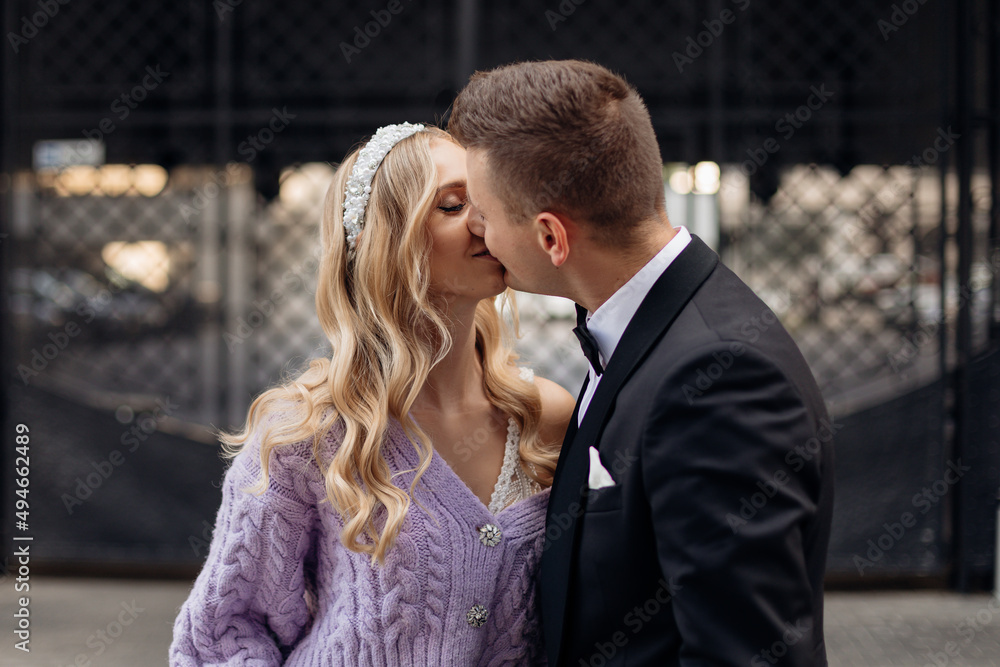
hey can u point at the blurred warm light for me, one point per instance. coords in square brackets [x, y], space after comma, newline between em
[115, 179]
[706, 178]
[112, 180]
[681, 182]
[149, 179]
[145, 262]
[77, 180]
[303, 187]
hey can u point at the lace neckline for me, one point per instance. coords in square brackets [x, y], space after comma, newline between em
[513, 484]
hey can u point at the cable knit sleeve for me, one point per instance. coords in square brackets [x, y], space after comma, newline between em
[248, 605]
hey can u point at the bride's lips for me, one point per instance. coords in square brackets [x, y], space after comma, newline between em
[485, 254]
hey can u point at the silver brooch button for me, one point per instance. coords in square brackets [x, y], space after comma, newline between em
[490, 535]
[477, 616]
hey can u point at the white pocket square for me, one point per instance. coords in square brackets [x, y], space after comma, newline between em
[599, 476]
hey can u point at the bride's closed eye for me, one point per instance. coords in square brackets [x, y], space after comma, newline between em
[454, 208]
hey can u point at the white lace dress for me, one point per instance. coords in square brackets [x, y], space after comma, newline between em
[514, 484]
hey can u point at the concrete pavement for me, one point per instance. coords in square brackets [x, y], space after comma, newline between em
[128, 622]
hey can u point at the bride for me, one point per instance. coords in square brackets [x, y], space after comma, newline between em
[388, 506]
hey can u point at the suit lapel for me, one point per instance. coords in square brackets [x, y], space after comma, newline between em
[669, 294]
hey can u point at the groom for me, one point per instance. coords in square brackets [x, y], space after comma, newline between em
[690, 514]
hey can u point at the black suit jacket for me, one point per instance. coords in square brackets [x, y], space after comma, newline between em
[710, 548]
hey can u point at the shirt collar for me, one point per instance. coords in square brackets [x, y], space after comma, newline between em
[608, 322]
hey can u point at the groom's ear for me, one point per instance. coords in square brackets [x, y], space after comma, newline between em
[554, 232]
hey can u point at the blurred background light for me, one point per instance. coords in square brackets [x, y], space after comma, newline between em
[77, 181]
[109, 180]
[706, 178]
[114, 180]
[680, 181]
[149, 179]
[304, 186]
[145, 262]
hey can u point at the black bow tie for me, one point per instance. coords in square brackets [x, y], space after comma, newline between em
[587, 340]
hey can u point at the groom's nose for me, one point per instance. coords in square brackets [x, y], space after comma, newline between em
[475, 222]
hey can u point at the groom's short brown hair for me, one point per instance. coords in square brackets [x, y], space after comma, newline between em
[565, 136]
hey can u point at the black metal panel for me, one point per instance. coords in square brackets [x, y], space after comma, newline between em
[711, 95]
[91, 52]
[148, 504]
[889, 508]
[323, 53]
[978, 491]
[342, 69]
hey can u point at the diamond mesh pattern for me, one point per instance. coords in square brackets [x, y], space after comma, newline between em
[791, 41]
[637, 43]
[96, 51]
[123, 322]
[850, 269]
[287, 244]
[299, 49]
[850, 266]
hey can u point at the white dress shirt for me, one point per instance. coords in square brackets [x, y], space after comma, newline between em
[609, 321]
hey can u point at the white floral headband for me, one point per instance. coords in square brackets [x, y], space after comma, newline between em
[359, 184]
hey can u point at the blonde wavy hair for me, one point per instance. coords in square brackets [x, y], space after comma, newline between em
[386, 331]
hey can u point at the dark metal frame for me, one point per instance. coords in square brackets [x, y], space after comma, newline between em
[223, 109]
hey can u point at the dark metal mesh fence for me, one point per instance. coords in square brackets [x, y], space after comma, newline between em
[102, 286]
[836, 198]
[851, 264]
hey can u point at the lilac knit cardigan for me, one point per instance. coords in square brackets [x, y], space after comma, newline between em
[279, 587]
